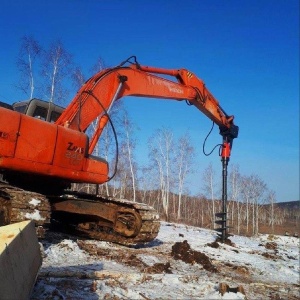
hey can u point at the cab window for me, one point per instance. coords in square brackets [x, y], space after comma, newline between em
[21, 108]
[54, 116]
[40, 113]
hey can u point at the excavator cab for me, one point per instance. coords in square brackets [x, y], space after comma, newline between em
[46, 111]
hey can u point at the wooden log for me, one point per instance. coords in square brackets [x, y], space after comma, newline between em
[20, 260]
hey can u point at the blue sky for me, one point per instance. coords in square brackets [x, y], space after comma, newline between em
[247, 53]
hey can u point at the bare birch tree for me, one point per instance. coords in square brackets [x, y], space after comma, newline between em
[209, 188]
[78, 78]
[148, 187]
[122, 178]
[258, 197]
[98, 66]
[160, 152]
[252, 190]
[271, 200]
[130, 144]
[246, 195]
[55, 69]
[183, 165]
[235, 189]
[26, 63]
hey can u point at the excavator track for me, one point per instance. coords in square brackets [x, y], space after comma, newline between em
[94, 217]
[131, 223]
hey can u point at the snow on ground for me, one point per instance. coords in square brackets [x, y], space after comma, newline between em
[263, 267]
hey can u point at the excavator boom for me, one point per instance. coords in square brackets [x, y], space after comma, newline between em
[97, 95]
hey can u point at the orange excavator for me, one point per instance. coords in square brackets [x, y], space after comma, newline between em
[40, 157]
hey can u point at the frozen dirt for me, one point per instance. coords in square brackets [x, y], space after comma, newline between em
[182, 263]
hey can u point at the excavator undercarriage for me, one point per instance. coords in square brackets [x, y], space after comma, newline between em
[105, 218]
[97, 217]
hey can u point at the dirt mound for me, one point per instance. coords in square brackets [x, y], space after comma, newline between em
[226, 241]
[159, 268]
[271, 246]
[213, 245]
[225, 288]
[182, 251]
[216, 244]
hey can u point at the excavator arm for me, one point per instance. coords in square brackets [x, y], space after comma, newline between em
[96, 97]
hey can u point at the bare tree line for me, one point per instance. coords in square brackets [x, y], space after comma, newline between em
[163, 181]
[49, 73]
[251, 209]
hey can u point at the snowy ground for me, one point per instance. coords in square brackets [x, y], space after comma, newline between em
[264, 267]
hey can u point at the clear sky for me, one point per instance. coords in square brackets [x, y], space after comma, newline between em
[247, 53]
